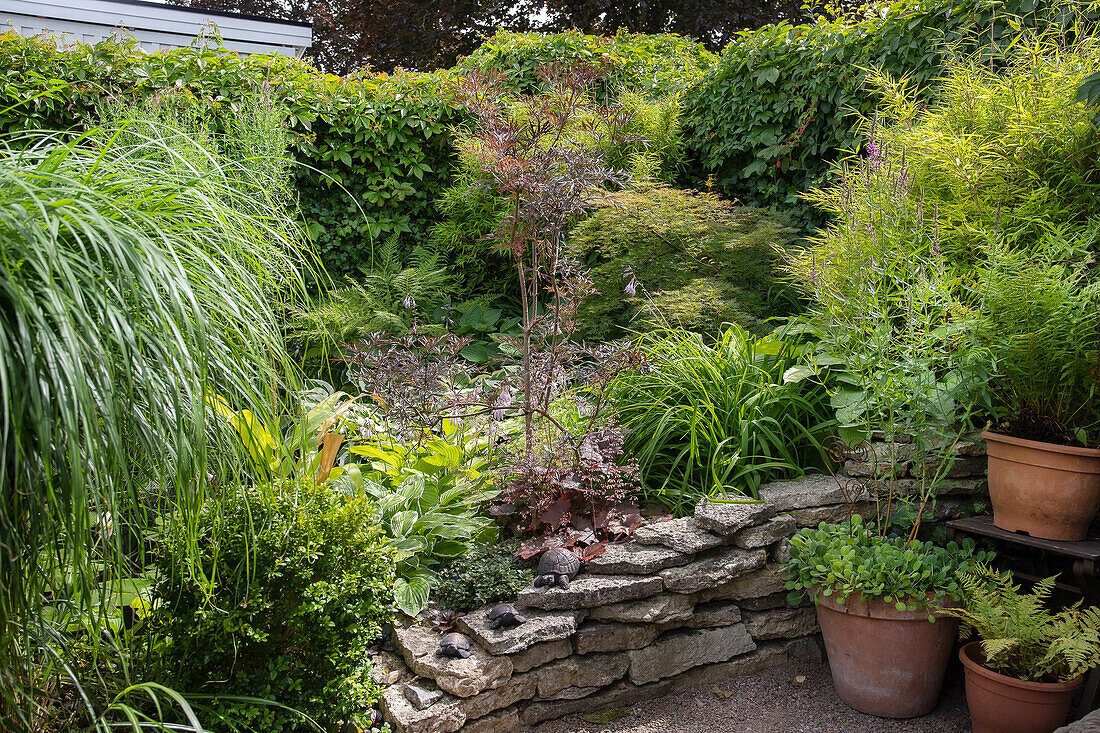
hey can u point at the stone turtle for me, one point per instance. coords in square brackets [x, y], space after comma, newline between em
[504, 616]
[454, 645]
[557, 567]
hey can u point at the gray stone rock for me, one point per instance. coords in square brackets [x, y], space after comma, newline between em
[961, 467]
[759, 583]
[781, 623]
[712, 570]
[814, 516]
[714, 614]
[765, 534]
[573, 693]
[460, 677]
[659, 609]
[727, 518]
[446, 716]
[594, 670]
[678, 651]
[806, 649]
[878, 469]
[632, 558]
[540, 654]
[766, 603]
[520, 687]
[683, 535]
[764, 657]
[505, 721]
[590, 591]
[613, 697]
[596, 636]
[421, 697]
[541, 626]
[812, 490]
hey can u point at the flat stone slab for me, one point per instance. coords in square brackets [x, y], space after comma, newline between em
[813, 516]
[617, 695]
[540, 626]
[632, 558]
[781, 623]
[420, 696]
[460, 677]
[765, 657]
[757, 584]
[595, 670]
[683, 535]
[765, 534]
[505, 721]
[812, 490]
[596, 636]
[713, 570]
[678, 651]
[714, 614]
[728, 517]
[540, 654]
[590, 591]
[658, 609]
[445, 716]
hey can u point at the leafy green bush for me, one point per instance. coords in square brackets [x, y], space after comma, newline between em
[487, 574]
[700, 262]
[775, 111]
[726, 417]
[1020, 636]
[660, 64]
[849, 560]
[286, 616]
[998, 165]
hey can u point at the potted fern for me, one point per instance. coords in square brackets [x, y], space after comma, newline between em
[1021, 675]
[1038, 330]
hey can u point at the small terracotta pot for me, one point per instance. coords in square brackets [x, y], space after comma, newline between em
[1047, 490]
[1002, 704]
[884, 661]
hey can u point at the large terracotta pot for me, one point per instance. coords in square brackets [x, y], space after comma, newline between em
[1001, 704]
[1047, 490]
[884, 661]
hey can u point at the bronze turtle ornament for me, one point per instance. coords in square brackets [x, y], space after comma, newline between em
[557, 567]
[456, 646]
[504, 616]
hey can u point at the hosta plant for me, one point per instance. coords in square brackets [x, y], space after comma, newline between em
[1021, 637]
[851, 559]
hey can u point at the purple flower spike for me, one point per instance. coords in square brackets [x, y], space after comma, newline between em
[631, 287]
[409, 301]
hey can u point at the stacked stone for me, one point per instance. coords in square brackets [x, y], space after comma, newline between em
[689, 602]
[896, 462]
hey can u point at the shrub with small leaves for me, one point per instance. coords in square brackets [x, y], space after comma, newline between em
[489, 574]
[294, 587]
[851, 559]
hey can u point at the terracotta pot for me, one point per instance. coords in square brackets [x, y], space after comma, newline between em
[1047, 490]
[884, 661]
[1001, 704]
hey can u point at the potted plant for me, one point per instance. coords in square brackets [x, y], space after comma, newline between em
[1021, 675]
[879, 604]
[1038, 329]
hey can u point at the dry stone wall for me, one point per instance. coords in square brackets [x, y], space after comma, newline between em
[688, 602]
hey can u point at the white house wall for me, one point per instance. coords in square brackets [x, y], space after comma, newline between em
[154, 25]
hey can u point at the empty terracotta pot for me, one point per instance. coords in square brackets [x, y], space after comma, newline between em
[884, 661]
[1001, 704]
[1047, 490]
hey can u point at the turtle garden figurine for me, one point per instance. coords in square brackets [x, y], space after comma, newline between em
[557, 567]
[454, 645]
[504, 616]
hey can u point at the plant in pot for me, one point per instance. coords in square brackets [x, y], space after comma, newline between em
[1023, 671]
[1037, 329]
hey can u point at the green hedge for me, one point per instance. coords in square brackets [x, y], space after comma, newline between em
[777, 109]
[375, 150]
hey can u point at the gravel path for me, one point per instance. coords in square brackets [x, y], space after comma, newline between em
[796, 697]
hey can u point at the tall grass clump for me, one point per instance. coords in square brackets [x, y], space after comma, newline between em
[142, 267]
[717, 418]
